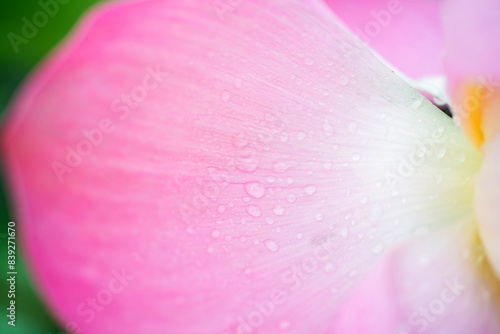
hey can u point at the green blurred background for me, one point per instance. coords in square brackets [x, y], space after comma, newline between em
[32, 316]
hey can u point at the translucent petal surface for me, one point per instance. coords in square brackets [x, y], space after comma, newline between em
[441, 283]
[487, 197]
[180, 168]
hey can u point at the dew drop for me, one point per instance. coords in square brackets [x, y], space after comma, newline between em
[356, 157]
[271, 245]
[255, 189]
[221, 208]
[344, 80]
[416, 100]
[328, 128]
[310, 190]
[309, 61]
[301, 136]
[279, 210]
[225, 96]
[281, 167]
[269, 220]
[299, 236]
[344, 232]
[440, 151]
[215, 233]
[291, 198]
[254, 211]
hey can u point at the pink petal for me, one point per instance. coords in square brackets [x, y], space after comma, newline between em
[439, 283]
[264, 166]
[471, 30]
[406, 33]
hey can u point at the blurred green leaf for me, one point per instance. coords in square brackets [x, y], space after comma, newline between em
[32, 317]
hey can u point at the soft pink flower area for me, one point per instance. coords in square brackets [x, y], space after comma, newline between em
[184, 168]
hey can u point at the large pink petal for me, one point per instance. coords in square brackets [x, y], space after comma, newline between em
[472, 50]
[406, 33]
[441, 283]
[264, 165]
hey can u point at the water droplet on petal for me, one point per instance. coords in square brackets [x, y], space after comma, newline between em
[328, 128]
[344, 232]
[225, 96]
[281, 167]
[301, 136]
[221, 208]
[255, 189]
[440, 150]
[278, 210]
[291, 198]
[416, 100]
[254, 211]
[309, 61]
[271, 245]
[356, 157]
[310, 190]
[215, 233]
[344, 80]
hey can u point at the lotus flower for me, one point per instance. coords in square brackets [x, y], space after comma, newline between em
[252, 167]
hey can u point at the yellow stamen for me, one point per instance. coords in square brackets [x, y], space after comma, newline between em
[473, 106]
[476, 110]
